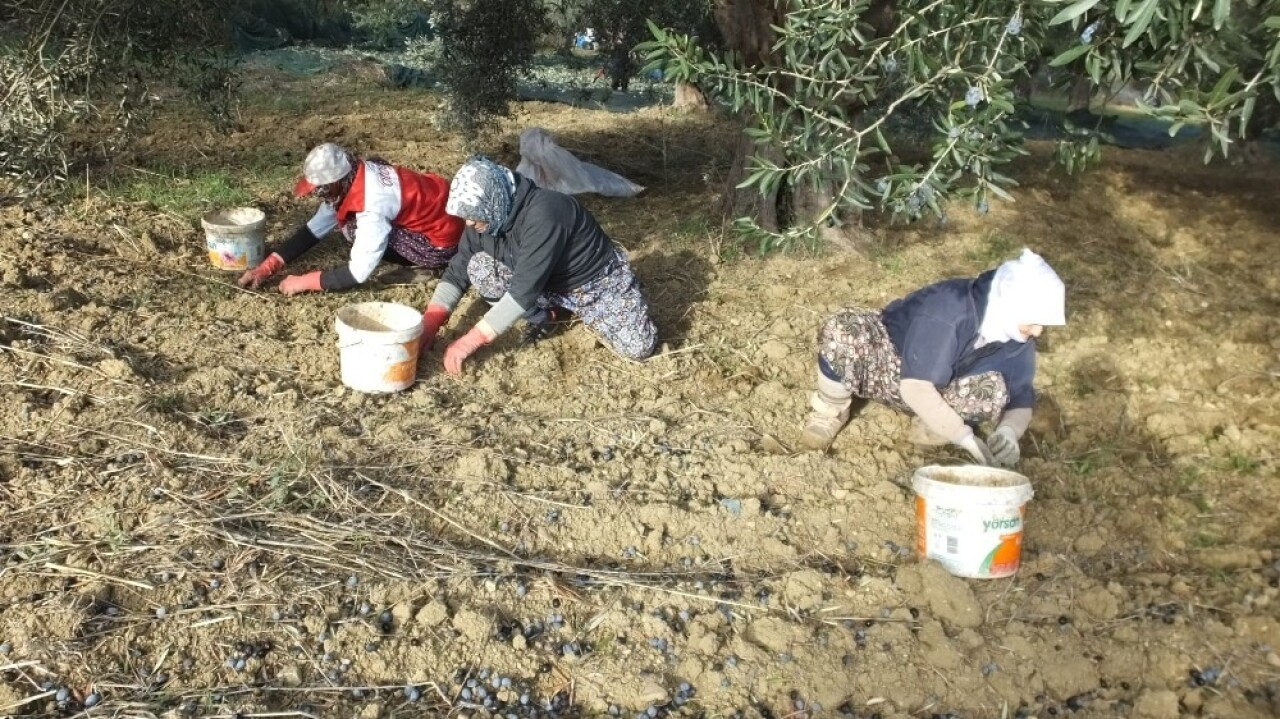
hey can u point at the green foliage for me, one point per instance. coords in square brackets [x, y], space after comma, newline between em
[184, 192]
[212, 81]
[564, 19]
[625, 21]
[32, 127]
[80, 72]
[1244, 464]
[841, 75]
[485, 48]
[388, 23]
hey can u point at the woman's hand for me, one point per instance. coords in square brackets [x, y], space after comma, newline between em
[1003, 444]
[254, 277]
[297, 284]
[977, 449]
[432, 320]
[464, 347]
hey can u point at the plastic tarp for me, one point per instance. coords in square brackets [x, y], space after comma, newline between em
[552, 167]
[269, 24]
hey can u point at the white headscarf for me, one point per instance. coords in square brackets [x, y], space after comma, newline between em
[1025, 291]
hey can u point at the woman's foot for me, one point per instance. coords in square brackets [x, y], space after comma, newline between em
[829, 413]
[544, 325]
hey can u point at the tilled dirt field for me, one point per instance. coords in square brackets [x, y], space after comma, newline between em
[200, 520]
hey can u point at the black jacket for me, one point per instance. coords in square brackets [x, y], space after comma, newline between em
[550, 242]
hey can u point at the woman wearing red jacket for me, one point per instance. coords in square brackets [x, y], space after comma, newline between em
[384, 211]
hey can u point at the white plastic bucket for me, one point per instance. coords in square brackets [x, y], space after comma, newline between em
[235, 238]
[378, 346]
[969, 519]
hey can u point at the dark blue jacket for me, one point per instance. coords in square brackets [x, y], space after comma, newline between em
[934, 330]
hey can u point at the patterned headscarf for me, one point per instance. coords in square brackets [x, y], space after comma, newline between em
[1025, 291]
[482, 191]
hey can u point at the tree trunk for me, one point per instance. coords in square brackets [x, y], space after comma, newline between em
[689, 97]
[747, 28]
[750, 202]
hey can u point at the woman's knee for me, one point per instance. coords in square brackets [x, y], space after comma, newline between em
[634, 341]
[486, 275]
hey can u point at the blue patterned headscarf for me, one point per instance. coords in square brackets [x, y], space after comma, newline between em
[482, 191]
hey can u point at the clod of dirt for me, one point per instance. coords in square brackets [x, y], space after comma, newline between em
[290, 676]
[804, 589]
[1228, 558]
[433, 614]
[473, 625]
[938, 649]
[1157, 704]
[950, 599]
[1066, 675]
[115, 369]
[1099, 603]
[1090, 543]
[772, 633]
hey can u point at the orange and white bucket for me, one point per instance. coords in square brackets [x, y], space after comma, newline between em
[378, 346]
[970, 519]
[235, 238]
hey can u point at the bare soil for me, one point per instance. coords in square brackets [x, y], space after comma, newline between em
[198, 519]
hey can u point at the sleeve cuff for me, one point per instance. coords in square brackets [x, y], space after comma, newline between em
[446, 295]
[1017, 419]
[337, 279]
[504, 314]
[297, 245]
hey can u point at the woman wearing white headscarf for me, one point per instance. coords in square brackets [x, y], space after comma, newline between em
[536, 255]
[955, 354]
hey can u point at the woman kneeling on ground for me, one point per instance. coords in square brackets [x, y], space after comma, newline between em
[534, 254]
[954, 354]
[384, 211]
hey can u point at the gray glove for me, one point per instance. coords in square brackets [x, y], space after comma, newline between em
[976, 449]
[1004, 446]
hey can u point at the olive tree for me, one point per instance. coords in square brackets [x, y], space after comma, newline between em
[81, 67]
[821, 85]
[485, 48]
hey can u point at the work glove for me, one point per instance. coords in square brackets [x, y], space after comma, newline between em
[463, 348]
[254, 277]
[976, 449]
[297, 284]
[1003, 444]
[432, 320]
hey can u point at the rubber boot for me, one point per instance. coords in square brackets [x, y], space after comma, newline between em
[830, 412]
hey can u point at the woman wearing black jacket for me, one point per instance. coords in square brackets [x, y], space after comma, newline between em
[531, 252]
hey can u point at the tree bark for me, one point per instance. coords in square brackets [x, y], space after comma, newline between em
[747, 28]
[750, 202]
[689, 97]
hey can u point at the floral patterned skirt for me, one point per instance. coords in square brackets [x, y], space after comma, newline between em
[416, 249]
[856, 347]
[612, 305]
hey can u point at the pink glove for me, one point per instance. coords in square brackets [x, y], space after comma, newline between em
[254, 278]
[297, 284]
[462, 349]
[432, 320]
